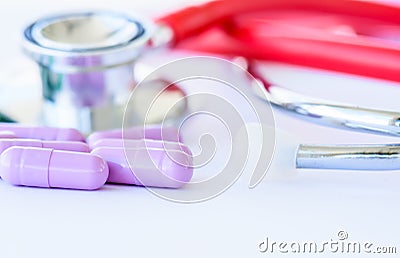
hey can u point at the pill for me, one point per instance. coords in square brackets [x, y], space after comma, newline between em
[142, 143]
[43, 133]
[58, 145]
[154, 167]
[7, 135]
[45, 167]
[154, 132]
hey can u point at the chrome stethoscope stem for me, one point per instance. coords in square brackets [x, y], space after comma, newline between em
[330, 113]
[353, 157]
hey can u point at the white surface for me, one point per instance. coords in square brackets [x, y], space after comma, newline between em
[289, 205]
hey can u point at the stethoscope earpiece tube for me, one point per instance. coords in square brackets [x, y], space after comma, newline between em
[364, 55]
[195, 19]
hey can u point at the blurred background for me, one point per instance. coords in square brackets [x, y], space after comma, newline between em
[123, 221]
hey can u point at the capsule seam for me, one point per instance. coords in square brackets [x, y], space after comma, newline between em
[48, 168]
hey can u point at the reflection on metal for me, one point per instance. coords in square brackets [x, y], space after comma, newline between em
[86, 62]
[356, 156]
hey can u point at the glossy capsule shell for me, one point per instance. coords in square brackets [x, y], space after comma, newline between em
[154, 132]
[44, 167]
[43, 133]
[155, 167]
[7, 135]
[58, 145]
[142, 143]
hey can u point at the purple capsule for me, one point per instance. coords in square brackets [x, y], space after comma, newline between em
[44, 167]
[43, 133]
[155, 167]
[58, 145]
[154, 132]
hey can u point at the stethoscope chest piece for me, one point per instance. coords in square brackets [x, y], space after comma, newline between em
[86, 63]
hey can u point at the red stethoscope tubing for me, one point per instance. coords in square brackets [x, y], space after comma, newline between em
[252, 29]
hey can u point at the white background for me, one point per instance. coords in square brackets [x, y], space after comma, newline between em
[124, 221]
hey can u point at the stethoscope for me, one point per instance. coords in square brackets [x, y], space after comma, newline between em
[355, 37]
